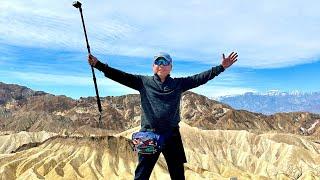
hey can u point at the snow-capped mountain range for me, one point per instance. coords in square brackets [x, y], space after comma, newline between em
[275, 101]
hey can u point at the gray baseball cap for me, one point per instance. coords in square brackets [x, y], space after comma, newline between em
[163, 55]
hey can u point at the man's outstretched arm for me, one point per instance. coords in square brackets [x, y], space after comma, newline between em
[202, 78]
[129, 80]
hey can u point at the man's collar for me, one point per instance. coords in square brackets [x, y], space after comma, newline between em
[157, 77]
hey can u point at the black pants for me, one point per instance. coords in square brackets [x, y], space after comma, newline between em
[174, 154]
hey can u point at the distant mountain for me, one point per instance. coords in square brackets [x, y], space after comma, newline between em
[275, 102]
[9, 92]
[63, 141]
[46, 112]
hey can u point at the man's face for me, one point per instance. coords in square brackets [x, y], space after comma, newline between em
[162, 70]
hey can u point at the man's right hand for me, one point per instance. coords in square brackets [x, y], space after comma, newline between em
[92, 60]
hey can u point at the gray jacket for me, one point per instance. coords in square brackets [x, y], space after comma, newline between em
[160, 102]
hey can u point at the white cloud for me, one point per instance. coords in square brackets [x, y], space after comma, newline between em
[218, 91]
[110, 87]
[225, 79]
[45, 79]
[266, 34]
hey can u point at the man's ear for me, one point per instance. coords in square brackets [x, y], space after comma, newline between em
[153, 69]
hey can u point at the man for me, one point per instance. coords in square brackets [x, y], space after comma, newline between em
[160, 101]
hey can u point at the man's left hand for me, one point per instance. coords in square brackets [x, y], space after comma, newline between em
[227, 62]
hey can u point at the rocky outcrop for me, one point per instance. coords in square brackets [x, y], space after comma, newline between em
[13, 92]
[202, 112]
[211, 154]
[36, 112]
[10, 142]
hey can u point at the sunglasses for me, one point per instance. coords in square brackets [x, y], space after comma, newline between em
[162, 61]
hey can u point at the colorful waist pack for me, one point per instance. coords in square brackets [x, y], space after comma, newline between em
[147, 142]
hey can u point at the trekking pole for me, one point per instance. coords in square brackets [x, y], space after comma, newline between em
[77, 5]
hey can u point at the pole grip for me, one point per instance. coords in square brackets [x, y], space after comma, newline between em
[96, 89]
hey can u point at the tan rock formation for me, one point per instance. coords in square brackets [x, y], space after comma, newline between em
[11, 142]
[211, 154]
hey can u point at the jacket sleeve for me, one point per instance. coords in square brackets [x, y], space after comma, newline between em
[201, 78]
[130, 80]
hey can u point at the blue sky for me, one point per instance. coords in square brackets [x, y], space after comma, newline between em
[42, 44]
